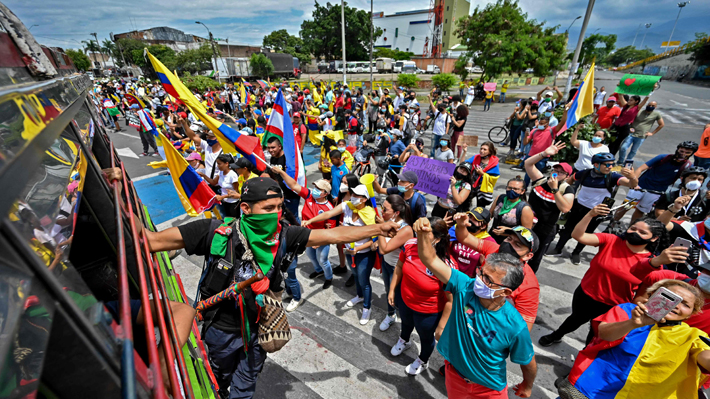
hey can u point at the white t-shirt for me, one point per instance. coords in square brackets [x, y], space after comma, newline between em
[599, 99]
[391, 258]
[544, 105]
[210, 158]
[225, 183]
[440, 121]
[443, 156]
[348, 221]
[586, 152]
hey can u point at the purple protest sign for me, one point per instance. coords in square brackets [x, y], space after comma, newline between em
[433, 175]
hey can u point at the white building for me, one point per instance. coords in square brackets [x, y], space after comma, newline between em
[404, 31]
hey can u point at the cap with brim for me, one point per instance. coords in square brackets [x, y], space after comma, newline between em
[527, 237]
[360, 190]
[446, 137]
[242, 121]
[547, 94]
[195, 156]
[242, 163]
[565, 166]
[396, 132]
[480, 214]
[257, 189]
[612, 99]
[409, 176]
[323, 184]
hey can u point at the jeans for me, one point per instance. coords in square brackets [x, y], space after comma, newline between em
[293, 287]
[621, 132]
[584, 309]
[292, 205]
[501, 99]
[364, 262]
[629, 141]
[425, 323]
[702, 162]
[435, 143]
[540, 165]
[487, 104]
[232, 366]
[514, 135]
[319, 258]
[545, 235]
[387, 272]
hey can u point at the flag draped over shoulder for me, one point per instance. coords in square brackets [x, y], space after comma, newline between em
[582, 103]
[229, 138]
[280, 126]
[195, 195]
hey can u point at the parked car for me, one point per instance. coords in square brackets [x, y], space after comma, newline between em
[420, 71]
[474, 69]
[397, 66]
[409, 67]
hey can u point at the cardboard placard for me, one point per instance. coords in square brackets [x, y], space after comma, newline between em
[471, 141]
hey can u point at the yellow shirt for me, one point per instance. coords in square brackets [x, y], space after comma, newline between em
[241, 180]
[489, 94]
[504, 89]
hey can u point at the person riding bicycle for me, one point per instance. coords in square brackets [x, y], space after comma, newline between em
[655, 176]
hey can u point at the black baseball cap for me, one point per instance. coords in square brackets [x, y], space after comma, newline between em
[408, 176]
[242, 163]
[481, 214]
[256, 189]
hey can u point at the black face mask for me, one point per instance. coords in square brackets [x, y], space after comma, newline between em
[473, 229]
[507, 248]
[460, 176]
[635, 239]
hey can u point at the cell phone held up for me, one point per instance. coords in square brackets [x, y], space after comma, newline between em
[608, 201]
[662, 302]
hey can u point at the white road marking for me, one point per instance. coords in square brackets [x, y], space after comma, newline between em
[677, 103]
[671, 118]
[148, 176]
[126, 152]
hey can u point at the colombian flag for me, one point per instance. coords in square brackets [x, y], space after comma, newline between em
[582, 103]
[230, 139]
[134, 100]
[244, 94]
[196, 196]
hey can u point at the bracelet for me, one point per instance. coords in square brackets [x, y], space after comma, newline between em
[670, 209]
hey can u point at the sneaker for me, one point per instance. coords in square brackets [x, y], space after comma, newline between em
[365, 316]
[340, 270]
[316, 274]
[327, 284]
[548, 340]
[400, 347]
[155, 154]
[145, 154]
[351, 281]
[354, 301]
[416, 367]
[554, 252]
[294, 304]
[575, 258]
[387, 322]
[517, 167]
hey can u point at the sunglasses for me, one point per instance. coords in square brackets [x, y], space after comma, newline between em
[608, 165]
[527, 234]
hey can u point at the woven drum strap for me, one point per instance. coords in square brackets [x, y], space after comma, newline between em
[274, 330]
[567, 390]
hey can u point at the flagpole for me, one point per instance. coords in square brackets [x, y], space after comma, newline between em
[578, 49]
[342, 22]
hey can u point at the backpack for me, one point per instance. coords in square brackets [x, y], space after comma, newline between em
[610, 186]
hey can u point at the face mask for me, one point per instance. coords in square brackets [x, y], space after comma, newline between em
[211, 142]
[473, 228]
[650, 108]
[402, 189]
[548, 99]
[548, 114]
[343, 188]
[596, 140]
[482, 290]
[511, 194]
[341, 149]
[635, 239]
[383, 109]
[459, 176]
[316, 193]
[693, 185]
[704, 282]
[356, 201]
[263, 232]
[507, 248]
[443, 143]
[541, 127]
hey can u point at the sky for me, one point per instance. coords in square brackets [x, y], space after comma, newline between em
[66, 23]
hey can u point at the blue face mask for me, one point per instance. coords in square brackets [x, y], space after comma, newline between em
[512, 195]
[541, 127]
[401, 189]
[596, 140]
[342, 149]
[443, 143]
[548, 114]
[316, 193]
[211, 142]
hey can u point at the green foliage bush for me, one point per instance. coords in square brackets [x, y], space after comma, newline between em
[408, 80]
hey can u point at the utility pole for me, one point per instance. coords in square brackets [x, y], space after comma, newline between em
[98, 46]
[113, 38]
[371, 29]
[644, 35]
[214, 52]
[342, 21]
[229, 49]
[637, 33]
[680, 8]
[575, 58]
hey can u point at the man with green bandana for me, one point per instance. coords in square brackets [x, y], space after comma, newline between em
[274, 243]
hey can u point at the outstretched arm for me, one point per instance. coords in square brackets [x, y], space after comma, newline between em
[347, 234]
[579, 233]
[573, 140]
[427, 254]
[462, 234]
[550, 151]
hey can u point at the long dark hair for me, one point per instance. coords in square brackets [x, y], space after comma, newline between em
[441, 231]
[657, 230]
[352, 181]
[400, 205]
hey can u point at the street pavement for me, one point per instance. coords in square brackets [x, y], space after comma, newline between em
[332, 355]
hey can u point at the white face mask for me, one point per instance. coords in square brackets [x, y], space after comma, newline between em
[482, 290]
[343, 188]
[704, 282]
[693, 185]
[356, 201]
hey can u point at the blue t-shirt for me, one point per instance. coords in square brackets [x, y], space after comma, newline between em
[337, 173]
[397, 147]
[660, 175]
[417, 202]
[477, 341]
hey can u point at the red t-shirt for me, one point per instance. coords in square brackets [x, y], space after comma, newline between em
[526, 298]
[421, 290]
[467, 259]
[607, 115]
[615, 272]
[312, 209]
[627, 116]
[352, 126]
[338, 102]
[300, 131]
[541, 139]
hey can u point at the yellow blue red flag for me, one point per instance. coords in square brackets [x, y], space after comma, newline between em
[582, 103]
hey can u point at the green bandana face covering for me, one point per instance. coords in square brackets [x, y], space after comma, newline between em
[262, 232]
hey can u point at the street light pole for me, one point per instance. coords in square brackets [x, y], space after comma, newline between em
[32, 27]
[342, 21]
[573, 21]
[636, 35]
[575, 58]
[371, 29]
[98, 46]
[680, 8]
[644, 35]
[214, 52]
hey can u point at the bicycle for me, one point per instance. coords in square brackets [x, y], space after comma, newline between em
[390, 171]
[498, 134]
[363, 157]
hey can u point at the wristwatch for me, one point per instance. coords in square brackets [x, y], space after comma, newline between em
[554, 190]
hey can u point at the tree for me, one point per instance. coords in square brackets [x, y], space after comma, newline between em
[501, 39]
[700, 49]
[80, 60]
[444, 81]
[322, 35]
[127, 46]
[460, 67]
[199, 83]
[591, 47]
[394, 54]
[626, 54]
[260, 65]
[281, 42]
[408, 80]
[194, 60]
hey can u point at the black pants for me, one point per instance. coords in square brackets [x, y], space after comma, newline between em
[148, 140]
[584, 309]
[439, 211]
[574, 217]
[545, 235]
[621, 133]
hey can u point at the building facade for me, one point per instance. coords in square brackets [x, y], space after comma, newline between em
[404, 31]
[453, 11]
[171, 37]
